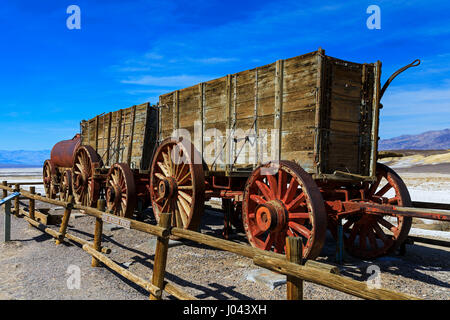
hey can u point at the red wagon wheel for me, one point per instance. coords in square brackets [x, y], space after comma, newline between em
[51, 179]
[66, 186]
[177, 183]
[369, 236]
[284, 202]
[120, 190]
[86, 189]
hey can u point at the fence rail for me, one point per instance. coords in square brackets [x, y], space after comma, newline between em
[292, 266]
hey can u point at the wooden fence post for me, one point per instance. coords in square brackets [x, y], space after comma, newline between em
[7, 222]
[340, 242]
[16, 200]
[101, 204]
[5, 192]
[65, 220]
[294, 253]
[7, 218]
[32, 204]
[162, 246]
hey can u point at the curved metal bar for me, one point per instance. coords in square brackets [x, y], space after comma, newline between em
[415, 63]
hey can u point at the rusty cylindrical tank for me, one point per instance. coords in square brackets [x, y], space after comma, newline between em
[63, 152]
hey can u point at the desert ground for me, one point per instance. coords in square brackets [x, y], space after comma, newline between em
[33, 267]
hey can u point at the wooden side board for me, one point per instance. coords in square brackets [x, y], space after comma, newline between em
[127, 135]
[318, 111]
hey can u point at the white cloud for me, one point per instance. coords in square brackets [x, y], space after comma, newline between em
[400, 101]
[153, 56]
[215, 60]
[413, 111]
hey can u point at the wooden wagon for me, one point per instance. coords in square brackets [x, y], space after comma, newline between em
[290, 148]
[111, 155]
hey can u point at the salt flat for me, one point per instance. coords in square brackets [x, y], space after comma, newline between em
[13, 175]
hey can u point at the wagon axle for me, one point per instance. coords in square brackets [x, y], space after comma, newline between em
[271, 216]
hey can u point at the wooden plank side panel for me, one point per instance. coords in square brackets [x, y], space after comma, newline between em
[215, 118]
[349, 117]
[139, 135]
[245, 94]
[166, 115]
[344, 155]
[110, 135]
[266, 90]
[190, 112]
[299, 110]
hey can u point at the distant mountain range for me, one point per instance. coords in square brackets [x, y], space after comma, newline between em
[23, 158]
[430, 140]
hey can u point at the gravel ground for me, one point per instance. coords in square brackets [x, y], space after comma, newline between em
[33, 267]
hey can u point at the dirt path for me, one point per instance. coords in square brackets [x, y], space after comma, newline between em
[33, 267]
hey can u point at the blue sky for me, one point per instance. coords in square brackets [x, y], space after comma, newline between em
[130, 52]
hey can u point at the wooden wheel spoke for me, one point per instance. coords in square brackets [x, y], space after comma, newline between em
[290, 193]
[280, 242]
[302, 230]
[185, 205]
[167, 163]
[181, 171]
[184, 179]
[183, 215]
[80, 167]
[374, 187]
[264, 190]
[185, 187]
[187, 197]
[296, 202]
[163, 168]
[273, 186]
[269, 241]
[298, 215]
[387, 225]
[347, 225]
[171, 164]
[379, 232]
[257, 199]
[281, 183]
[383, 190]
[160, 176]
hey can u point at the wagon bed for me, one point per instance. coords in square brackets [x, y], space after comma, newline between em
[123, 136]
[322, 113]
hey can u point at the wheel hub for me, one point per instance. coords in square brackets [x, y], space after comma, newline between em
[271, 216]
[114, 194]
[168, 188]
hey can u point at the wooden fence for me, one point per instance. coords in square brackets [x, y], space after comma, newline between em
[290, 265]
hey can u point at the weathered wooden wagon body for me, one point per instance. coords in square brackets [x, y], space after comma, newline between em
[116, 153]
[318, 111]
[124, 136]
[290, 148]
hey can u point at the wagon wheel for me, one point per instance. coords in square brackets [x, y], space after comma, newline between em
[286, 202]
[369, 236]
[66, 186]
[50, 179]
[85, 188]
[120, 190]
[177, 183]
